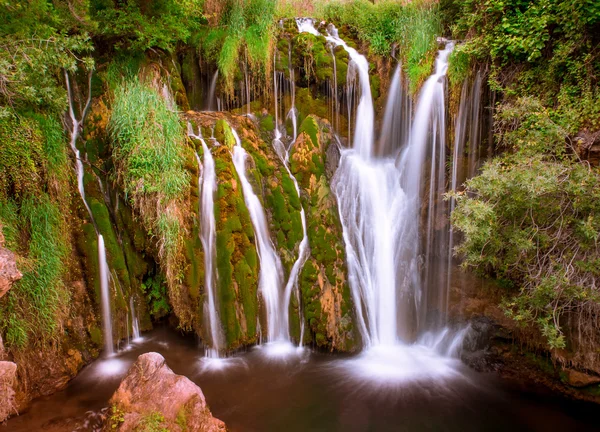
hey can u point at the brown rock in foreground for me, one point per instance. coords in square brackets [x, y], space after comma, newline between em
[152, 396]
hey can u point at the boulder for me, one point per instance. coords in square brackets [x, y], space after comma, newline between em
[153, 396]
[9, 273]
[580, 379]
[8, 372]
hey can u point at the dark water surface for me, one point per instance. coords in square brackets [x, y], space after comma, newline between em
[313, 392]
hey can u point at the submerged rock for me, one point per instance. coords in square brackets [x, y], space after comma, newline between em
[152, 397]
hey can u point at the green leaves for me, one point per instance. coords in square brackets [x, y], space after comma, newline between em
[531, 217]
[136, 25]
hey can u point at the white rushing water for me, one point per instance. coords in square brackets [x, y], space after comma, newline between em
[105, 298]
[135, 324]
[270, 280]
[379, 199]
[212, 101]
[207, 184]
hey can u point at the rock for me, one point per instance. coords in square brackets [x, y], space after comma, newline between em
[151, 395]
[580, 379]
[9, 273]
[8, 372]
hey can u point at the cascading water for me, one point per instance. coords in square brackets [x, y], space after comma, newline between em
[212, 102]
[76, 126]
[270, 279]
[105, 298]
[135, 324]
[207, 184]
[395, 131]
[283, 153]
[379, 203]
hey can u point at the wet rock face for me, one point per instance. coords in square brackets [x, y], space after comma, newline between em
[152, 396]
[8, 373]
[9, 273]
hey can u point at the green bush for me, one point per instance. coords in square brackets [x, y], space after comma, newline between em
[531, 218]
[137, 25]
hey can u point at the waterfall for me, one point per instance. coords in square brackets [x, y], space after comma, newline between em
[105, 298]
[365, 114]
[271, 271]
[210, 103]
[475, 130]
[303, 248]
[335, 102]
[380, 203]
[207, 184]
[307, 25]
[135, 325]
[76, 126]
[292, 113]
[396, 120]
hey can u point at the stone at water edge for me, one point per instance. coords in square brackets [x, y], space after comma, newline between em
[8, 372]
[151, 390]
[580, 379]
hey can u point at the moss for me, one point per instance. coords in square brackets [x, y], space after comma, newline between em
[267, 123]
[223, 133]
[96, 336]
[306, 104]
[326, 267]
[309, 125]
[375, 85]
[237, 264]
[88, 246]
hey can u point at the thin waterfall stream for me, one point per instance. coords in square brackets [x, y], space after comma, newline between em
[270, 282]
[76, 126]
[207, 184]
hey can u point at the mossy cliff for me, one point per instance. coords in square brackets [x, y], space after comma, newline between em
[48, 323]
[323, 281]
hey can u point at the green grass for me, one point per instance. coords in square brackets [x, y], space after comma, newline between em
[413, 27]
[246, 31]
[33, 306]
[148, 151]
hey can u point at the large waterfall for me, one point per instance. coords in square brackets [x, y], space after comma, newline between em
[379, 197]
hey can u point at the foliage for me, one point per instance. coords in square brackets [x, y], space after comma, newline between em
[540, 47]
[412, 27]
[153, 422]
[38, 41]
[246, 30]
[531, 217]
[33, 307]
[33, 155]
[155, 291]
[148, 146]
[138, 25]
[117, 417]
